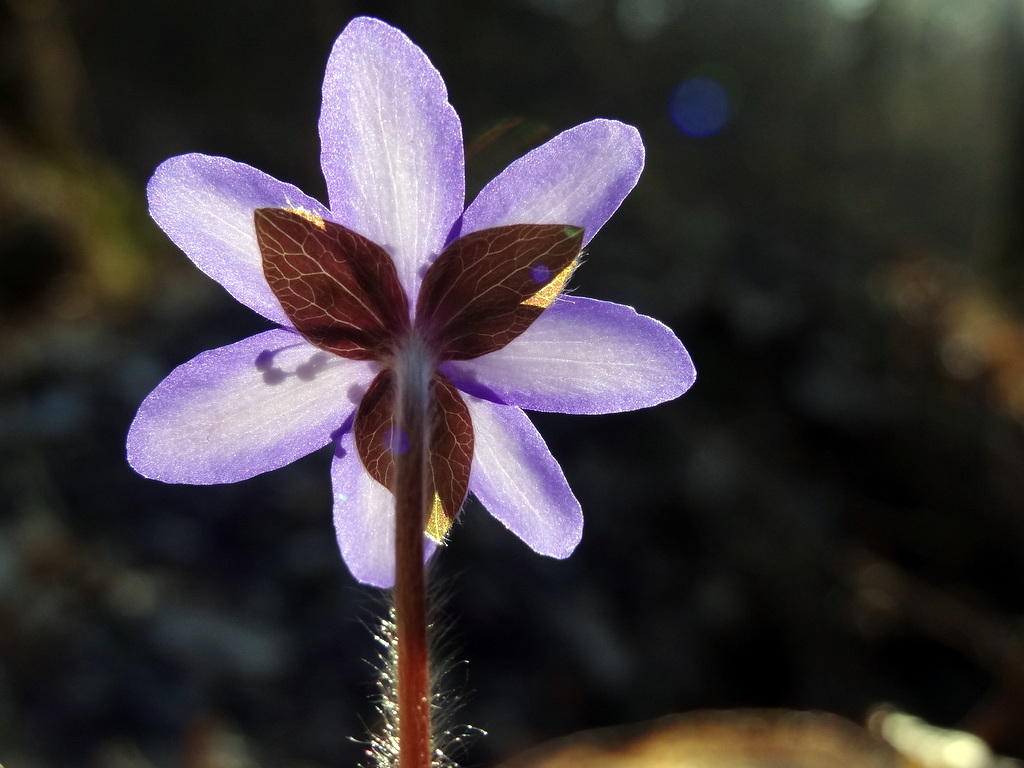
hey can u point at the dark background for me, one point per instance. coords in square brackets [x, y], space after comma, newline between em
[832, 518]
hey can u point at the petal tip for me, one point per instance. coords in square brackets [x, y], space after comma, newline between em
[140, 454]
[565, 545]
[690, 376]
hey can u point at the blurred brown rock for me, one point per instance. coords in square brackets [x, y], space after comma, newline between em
[720, 739]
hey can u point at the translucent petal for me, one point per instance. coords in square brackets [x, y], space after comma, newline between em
[364, 518]
[582, 356]
[579, 177]
[250, 407]
[206, 205]
[392, 146]
[519, 482]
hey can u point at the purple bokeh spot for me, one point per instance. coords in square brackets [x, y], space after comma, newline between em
[699, 107]
[540, 273]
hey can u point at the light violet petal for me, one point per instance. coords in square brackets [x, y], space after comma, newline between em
[237, 411]
[579, 177]
[582, 356]
[205, 205]
[519, 482]
[391, 146]
[364, 518]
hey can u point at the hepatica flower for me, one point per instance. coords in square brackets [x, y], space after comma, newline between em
[397, 273]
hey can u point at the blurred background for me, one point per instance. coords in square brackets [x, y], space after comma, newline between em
[832, 518]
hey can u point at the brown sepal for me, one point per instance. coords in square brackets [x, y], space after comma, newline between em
[451, 454]
[480, 292]
[451, 445]
[339, 289]
[376, 440]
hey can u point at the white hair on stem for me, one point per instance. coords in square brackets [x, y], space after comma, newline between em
[449, 738]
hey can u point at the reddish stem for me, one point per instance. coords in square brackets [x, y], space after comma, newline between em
[411, 508]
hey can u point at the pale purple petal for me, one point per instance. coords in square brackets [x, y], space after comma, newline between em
[252, 406]
[579, 177]
[205, 205]
[582, 356]
[515, 477]
[392, 145]
[364, 518]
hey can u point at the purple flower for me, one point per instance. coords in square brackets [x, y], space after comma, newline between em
[395, 262]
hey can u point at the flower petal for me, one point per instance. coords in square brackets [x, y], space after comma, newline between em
[237, 411]
[392, 146]
[579, 177]
[582, 356]
[520, 483]
[364, 518]
[205, 205]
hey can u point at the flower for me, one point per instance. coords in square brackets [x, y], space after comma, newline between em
[396, 258]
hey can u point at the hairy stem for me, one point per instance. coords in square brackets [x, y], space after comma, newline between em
[412, 504]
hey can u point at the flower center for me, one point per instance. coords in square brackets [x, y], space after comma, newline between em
[342, 293]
